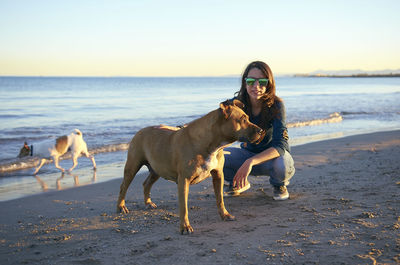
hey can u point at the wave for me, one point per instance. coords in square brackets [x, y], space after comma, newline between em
[333, 118]
[16, 116]
[356, 113]
[18, 165]
[26, 163]
[110, 148]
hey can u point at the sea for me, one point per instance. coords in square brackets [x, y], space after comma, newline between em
[110, 110]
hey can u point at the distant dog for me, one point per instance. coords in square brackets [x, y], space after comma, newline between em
[55, 148]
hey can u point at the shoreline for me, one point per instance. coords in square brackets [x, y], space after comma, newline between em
[51, 180]
[344, 208]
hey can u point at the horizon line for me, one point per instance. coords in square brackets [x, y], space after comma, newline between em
[355, 71]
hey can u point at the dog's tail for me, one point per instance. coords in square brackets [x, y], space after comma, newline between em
[78, 132]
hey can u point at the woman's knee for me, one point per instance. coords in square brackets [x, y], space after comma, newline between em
[283, 169]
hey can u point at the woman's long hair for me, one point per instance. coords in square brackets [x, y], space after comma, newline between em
[269, 109]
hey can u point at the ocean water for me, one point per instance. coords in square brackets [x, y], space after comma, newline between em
[109, 111]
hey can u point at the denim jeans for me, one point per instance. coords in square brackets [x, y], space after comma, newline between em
[280, 169]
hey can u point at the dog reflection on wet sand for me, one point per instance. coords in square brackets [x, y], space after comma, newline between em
[58, 186]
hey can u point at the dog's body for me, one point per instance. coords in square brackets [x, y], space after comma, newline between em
[187, 156]
[55, 148]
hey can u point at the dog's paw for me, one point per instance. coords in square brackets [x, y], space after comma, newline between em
[186, 228]
[122, 209]
[228, 217]
[151, 205]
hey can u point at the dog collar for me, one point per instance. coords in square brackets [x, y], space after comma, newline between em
[31, 150]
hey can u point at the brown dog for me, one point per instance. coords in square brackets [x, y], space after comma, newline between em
[188, 155]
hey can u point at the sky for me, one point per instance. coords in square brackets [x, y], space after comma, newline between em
[195, 38]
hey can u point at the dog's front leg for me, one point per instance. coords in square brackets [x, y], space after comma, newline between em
[218, 182]
[183, 192]
[42, 161]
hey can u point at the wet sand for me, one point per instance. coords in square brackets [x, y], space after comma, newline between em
[344, 208]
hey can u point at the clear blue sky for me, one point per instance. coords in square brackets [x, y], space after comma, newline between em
[195, 38]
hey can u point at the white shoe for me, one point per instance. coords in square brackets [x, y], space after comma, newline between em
[280, 193]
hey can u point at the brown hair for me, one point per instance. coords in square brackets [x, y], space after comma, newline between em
[269, 110]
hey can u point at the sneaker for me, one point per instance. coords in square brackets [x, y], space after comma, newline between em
[234, 191]
[280, 193]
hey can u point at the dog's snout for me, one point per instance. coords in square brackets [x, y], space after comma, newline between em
[261, 133]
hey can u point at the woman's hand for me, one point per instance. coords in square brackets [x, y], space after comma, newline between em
[241, 175]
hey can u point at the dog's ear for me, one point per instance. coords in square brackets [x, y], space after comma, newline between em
[226, 108]
[238, 103]
[227, 105]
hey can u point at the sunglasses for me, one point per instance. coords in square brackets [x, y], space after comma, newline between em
[252, 81]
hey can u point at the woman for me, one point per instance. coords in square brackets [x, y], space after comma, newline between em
[271, 156]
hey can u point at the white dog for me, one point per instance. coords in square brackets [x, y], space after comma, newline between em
[55, 148]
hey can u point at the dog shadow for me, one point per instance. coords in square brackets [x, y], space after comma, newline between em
[45, 187]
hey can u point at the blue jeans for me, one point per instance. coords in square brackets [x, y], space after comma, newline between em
[280, 169]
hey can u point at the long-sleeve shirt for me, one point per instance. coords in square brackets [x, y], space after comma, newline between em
[276, 134]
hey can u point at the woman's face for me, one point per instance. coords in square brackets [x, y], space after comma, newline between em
[256, 90]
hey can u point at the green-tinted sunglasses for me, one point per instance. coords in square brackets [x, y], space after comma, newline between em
[261, 81]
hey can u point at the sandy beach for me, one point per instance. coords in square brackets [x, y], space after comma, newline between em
[344, 209]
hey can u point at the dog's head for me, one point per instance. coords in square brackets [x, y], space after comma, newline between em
[237, 125]
[25, 150]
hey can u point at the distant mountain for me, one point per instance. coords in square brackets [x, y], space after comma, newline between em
[352, 73]
[357, 72]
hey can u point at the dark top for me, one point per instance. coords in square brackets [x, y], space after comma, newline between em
[276, 133]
